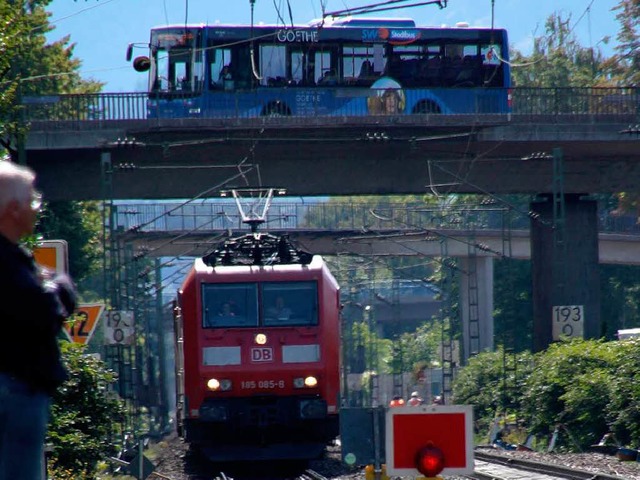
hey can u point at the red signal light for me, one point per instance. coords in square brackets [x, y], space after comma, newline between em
[430, 460]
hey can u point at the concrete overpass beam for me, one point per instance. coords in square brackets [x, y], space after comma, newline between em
[564, 268]
[477, 335]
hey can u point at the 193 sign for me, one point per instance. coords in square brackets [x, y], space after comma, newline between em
[119, 328]
[568, 321]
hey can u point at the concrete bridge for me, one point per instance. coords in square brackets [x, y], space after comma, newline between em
[561, 143]
[178, 230]
[92, 146]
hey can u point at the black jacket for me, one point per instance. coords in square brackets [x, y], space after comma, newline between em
[32, 311]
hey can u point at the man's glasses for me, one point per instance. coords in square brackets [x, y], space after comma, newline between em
[36, 200]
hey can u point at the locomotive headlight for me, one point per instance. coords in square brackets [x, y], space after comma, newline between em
[260, 339]
[313, 408]
[215, 385]
[306, 382]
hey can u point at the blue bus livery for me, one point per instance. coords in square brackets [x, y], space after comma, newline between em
[349, 67]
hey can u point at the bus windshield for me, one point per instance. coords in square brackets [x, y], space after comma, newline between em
[177, 62]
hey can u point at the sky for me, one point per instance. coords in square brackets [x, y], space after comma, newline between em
[102, 29]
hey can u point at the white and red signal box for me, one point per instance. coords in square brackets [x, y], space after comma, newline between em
[429, 440]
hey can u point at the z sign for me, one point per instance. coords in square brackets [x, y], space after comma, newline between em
[81, 327]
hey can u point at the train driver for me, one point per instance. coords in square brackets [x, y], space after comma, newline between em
[279, 310]
[226, 311]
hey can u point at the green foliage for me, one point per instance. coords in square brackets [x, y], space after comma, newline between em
[31, 66]
[619, 285]
[491, 388]
[588, 387]
[623, 409]
[558, 59]
[626, 63]
[555, 389]
[80, 224]
[84, 414]
[513, 304]
[418, 349]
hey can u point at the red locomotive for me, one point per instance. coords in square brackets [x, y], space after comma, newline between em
[257, 337]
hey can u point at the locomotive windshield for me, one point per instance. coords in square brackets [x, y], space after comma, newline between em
[268, 304]
[289, 303]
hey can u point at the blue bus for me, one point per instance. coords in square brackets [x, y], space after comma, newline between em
[347, 67]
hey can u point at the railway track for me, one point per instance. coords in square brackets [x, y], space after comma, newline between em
[498, 467]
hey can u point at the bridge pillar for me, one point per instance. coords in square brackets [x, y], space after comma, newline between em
[564, 257]
[477, 326]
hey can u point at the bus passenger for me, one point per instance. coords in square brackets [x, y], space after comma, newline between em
[226, 79]
[329, 78]
[396, 401]
[32, 300]
[393, 68]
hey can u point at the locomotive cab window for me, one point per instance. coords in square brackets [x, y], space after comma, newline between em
[230, 305]
[289, 303]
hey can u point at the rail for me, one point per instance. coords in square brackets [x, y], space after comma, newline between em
[206, 216]
[615, 104]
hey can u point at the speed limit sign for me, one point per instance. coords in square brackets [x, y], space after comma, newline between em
[119, 328]
[568, 321]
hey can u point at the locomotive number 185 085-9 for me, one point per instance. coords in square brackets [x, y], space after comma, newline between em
[271, 384]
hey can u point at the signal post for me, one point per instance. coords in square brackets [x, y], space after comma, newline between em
[417, 441]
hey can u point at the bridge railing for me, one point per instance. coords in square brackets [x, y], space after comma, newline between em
[615, 102]
[203, 217]
[598, 101]
[90, 107]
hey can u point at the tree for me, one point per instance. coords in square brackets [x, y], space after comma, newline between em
[558, 59]
[626, 63]
[31, 66]
[80, 224]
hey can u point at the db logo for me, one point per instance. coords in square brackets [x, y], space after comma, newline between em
[262, 354]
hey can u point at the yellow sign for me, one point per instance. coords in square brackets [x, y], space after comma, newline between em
[52, 254]
[86, 319]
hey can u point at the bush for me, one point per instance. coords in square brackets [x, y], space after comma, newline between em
[571, 386]
[489, 387]
[586, 387]
[84, 414]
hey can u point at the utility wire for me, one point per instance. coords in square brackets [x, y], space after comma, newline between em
[102, 3]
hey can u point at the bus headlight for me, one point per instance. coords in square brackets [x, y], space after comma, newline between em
[305, 382]
[216, 385]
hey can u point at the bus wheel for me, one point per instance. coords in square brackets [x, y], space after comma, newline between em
[426, 106]
[276, 109]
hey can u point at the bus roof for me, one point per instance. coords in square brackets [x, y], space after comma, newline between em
[366, 22]
[341, 23]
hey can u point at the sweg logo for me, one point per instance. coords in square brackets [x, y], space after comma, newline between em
[395, 37]
[403, 36]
